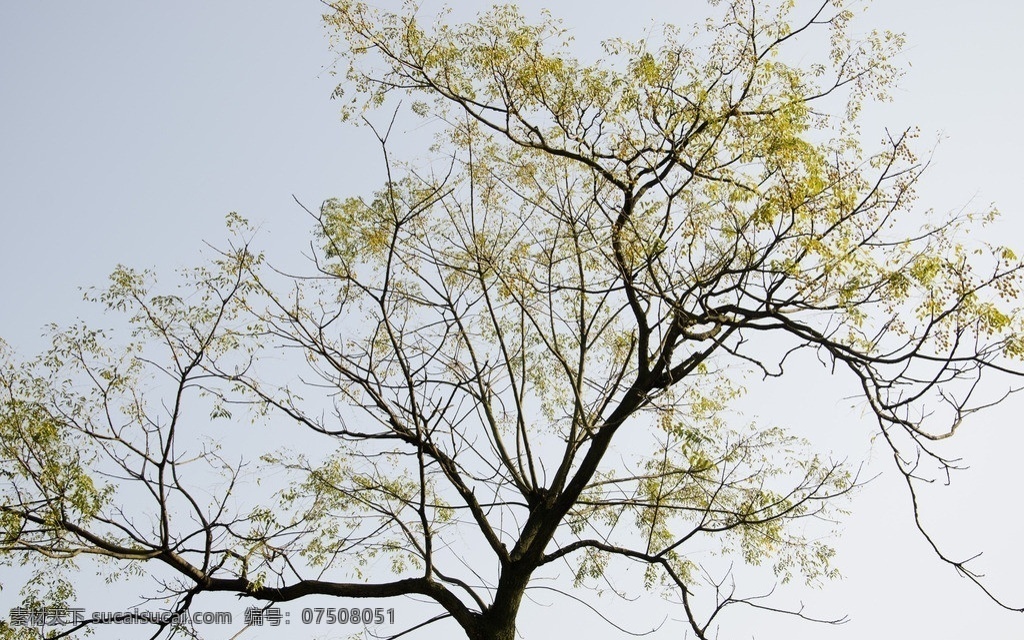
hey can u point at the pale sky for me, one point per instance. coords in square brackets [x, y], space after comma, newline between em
[129, 129]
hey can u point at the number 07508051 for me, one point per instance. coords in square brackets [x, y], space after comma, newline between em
[341, 615]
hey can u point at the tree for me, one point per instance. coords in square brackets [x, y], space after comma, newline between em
[527, 343]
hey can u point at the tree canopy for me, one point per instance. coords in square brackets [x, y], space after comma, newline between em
[519, 353]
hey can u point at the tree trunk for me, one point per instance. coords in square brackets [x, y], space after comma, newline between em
[498, 622]
[493, 631]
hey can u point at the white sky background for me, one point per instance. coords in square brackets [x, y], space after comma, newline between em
[129, 129]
